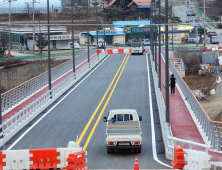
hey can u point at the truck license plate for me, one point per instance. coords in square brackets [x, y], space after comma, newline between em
[123, 143]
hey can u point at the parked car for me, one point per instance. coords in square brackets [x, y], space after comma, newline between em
[76, 46]
[214, 40]
[212, 33]
[146, 42]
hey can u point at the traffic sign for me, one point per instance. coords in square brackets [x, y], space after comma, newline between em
[198, 26]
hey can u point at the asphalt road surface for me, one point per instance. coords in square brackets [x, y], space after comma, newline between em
[68, 117]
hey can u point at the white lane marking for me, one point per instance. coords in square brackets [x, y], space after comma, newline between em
[152, 120]
[53, 107]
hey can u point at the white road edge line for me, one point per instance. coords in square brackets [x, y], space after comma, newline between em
[152, 120]
[53, 107]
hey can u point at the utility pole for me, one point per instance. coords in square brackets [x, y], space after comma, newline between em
[33, 27]
[73, 35]
[40, 35]
[49, 58]
[9, 26]
[88, 30]
[167, 64]
[159, 46]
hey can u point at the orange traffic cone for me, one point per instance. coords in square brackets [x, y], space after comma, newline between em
[136, 166]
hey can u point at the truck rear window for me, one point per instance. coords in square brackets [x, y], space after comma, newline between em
[124, 117]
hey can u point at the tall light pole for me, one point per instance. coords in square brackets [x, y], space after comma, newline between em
[9, 25]
[155, 36]
[104, 26]
[167, 64]
[33, 18]
[0, 105]
[151, 29]
[88, 30]
[49, 58]
[159, 46]
[204, 28]
[97, 35]
[73, 46]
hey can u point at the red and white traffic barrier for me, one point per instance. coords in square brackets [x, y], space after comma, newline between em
[118, 51]
[56, 158]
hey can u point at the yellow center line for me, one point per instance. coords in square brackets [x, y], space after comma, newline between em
[97, 108]
[104, 107]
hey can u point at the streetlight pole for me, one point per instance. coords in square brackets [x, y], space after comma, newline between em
[97, 35]
[73, 46]
[167, 64]
[155, 36]
[0, 105]
[172, 24]
[159, 46]
[151, 30]
[204, 28]
[104, 27]
[40, 35]
[49, 58]
[33, 18]
[88, 30]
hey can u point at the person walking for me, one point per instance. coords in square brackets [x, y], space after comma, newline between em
[172, 84]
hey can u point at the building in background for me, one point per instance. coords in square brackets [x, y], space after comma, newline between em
[135, 6]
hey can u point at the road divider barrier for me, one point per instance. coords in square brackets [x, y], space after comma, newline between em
[118, 51]
[197, 160]
[56, 158]
[76, 161]
[136, 165]
[178, 161]
[99, 51]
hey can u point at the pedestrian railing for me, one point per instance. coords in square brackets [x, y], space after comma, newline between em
[20, 93]
[15, 119]
[41, 56]
[211, 128]
[169, 140]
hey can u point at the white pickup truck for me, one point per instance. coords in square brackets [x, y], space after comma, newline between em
[123, 130]
[137, 48]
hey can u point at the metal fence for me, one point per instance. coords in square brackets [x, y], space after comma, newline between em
[25, 90]
[210, 127]
[35, 84]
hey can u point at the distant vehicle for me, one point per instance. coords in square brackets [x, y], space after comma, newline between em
[101, 44]
[146, 42]
[214, 40]
[76, 46]
[123, 130]
[212, 33]
[137, 48]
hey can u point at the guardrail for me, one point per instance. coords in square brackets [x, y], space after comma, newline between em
[169, 140]
[15, 119]
[20, 93]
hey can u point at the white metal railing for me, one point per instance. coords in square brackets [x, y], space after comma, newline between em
[27, 89]
[15, 119]
[170, 141]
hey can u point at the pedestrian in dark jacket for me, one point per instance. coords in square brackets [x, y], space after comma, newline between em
[172, 83]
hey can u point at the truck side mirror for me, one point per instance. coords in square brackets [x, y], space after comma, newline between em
[104, 119]
[140, 118]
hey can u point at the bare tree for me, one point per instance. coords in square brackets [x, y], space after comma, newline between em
[4, 42]
[27, 7]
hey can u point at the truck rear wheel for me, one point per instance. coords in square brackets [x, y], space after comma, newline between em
[110, 150]
[139, 150]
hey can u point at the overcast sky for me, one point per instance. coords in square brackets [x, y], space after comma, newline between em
[21, 3]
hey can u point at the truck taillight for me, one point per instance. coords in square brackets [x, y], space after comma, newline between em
[136, 143]
[111, 143]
